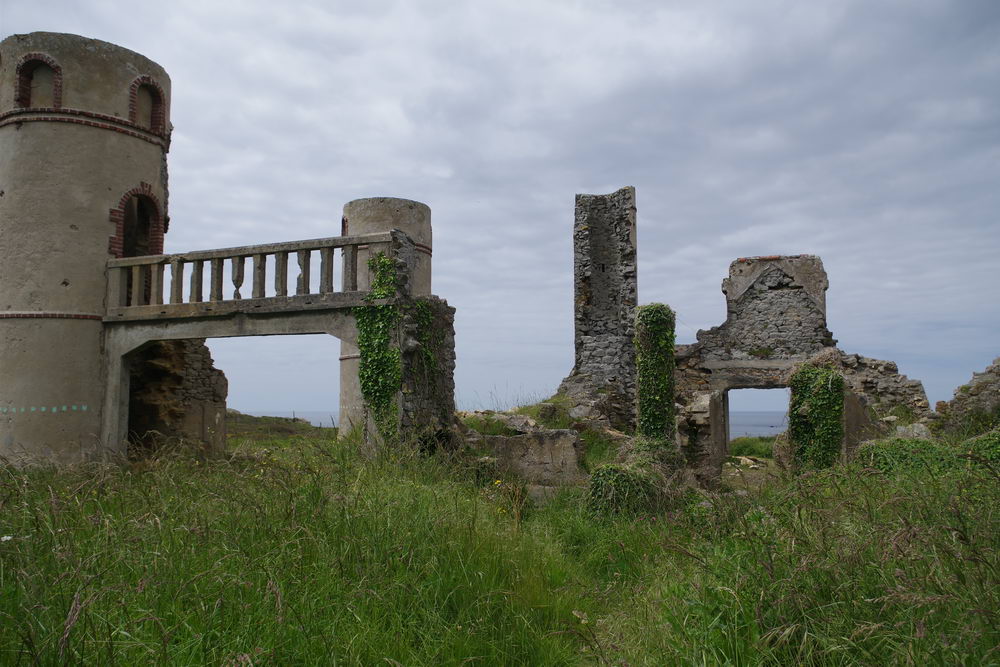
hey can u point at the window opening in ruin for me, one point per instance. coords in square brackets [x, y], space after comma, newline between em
[757, 412]
[149, 108]
[36, 87]
[288, 377]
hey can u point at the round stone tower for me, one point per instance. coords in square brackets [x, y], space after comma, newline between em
[84, 132]
[373, 216]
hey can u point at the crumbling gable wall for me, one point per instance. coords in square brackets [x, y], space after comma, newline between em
[606, 295]
[776, 320]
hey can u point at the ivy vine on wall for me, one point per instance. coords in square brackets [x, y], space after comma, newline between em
[816, 415]
[654, 359]
[380, 365]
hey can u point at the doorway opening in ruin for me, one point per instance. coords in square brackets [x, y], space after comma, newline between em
[756, 413]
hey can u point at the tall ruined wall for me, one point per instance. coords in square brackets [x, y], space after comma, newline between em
[978, 400]
[606, 294]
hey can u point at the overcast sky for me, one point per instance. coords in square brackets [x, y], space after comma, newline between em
[865, 132]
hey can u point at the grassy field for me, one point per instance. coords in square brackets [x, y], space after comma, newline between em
[295, 550]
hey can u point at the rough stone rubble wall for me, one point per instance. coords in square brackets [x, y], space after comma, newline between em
[428, 370]
[774, 315]
[177, 392]
[606, 295]
[980, 396]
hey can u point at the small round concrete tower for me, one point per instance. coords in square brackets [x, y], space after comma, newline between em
[84, 132]
[372, 216]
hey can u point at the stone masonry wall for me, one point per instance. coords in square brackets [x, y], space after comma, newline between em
[428, 365]
[176, 392]
[606, 294]
[775, 309]
[980, 397]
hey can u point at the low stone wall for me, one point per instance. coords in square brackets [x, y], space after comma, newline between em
[878, 383]
[976, 399]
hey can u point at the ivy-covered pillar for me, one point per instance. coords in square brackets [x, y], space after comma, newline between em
[816, 416]
[654, 348]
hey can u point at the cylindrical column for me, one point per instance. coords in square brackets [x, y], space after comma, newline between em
[373, 216]
[84, 128]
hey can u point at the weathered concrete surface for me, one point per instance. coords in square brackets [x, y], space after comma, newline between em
[543, 457]
[374, 215]
[605, 298]
[59, 181]
[428, 370]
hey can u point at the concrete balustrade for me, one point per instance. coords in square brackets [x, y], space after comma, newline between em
[158, 286]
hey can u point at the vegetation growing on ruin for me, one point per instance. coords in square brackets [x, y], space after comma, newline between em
[815, 415]
[654, 360]
[380, 365]
[308, 553]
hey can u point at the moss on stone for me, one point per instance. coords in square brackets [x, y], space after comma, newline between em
[380, 363]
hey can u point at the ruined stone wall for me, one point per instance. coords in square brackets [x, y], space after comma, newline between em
[878, 383]
[606, 294]
[177, 393]
[428, 369]
[977, 400]
[776, 308]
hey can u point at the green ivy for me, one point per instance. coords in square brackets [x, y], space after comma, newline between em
[654, 359]
[423, 316]
[380, 369]
[815, 415]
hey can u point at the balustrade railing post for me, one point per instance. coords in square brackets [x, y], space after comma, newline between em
[176, 281]
[281, 274]
[259, 271]
[215, 294]
[325, 270]
[302, 284]
[197, 281]
[156, 284]
[238, 263]
[138, 286]
[350, 268]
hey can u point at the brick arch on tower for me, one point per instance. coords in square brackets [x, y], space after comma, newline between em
[157, 223]
[157, 123]
[22, 93]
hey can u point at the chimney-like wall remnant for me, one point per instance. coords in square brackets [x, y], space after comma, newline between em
[606, 295]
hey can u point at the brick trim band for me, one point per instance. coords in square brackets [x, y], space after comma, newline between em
[349, 356]
[423, 248]
[80, 117]
[49, 316]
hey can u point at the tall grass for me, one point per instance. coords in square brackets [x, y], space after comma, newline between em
[305, 553]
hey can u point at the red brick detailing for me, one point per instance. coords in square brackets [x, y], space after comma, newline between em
[116, 244]
[49, 316]
[422, 248]
[27, 64]
[88, 118]
[770, 258]
[158, 120]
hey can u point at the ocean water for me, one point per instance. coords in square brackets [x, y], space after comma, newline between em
[740, 423]
[757, 423]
